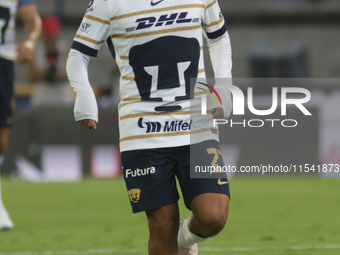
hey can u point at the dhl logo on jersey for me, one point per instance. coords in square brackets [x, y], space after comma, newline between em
[163, 20]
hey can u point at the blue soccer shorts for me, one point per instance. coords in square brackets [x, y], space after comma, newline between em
[150, 175]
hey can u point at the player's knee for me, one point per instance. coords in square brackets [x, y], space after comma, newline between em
[213, 223]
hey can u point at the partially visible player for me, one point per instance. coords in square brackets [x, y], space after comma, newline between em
[48, 70]
[9, 52]
[158, 46]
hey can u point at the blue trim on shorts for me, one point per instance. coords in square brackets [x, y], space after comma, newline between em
[218, 33]
[84, 49]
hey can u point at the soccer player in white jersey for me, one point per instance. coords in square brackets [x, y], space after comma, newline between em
[158, 46]
[9, 52]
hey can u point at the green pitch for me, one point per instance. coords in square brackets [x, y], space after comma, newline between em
[267, 217]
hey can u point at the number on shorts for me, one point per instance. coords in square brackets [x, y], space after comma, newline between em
[217, 153]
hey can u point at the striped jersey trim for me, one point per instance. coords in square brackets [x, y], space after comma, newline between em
[185, 6]
[128, 78]
[171, 30]
[217, 33]
[136, 137]
[97, 19]
[84, 49]
[215, 23]
[88, 39]
[199, 93]
[211, 4]
[137, 115]
[132, 99]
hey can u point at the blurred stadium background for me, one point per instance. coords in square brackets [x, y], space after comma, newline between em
[270, 38]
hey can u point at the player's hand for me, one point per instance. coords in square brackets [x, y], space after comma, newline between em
[91, 124]
[25, 51]
[217, 112]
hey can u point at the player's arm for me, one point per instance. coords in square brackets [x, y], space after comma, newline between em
[32, 22]
[90, 36]
[215, 31]
[220, 55]
[85, 108]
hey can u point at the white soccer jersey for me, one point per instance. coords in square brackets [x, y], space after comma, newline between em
[158, 47]
[8, 10]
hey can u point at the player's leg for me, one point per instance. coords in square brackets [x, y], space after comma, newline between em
[208, 198]
[6, 101]
[5, 221]
[163, 227]
[209, 214]
[208, 218]
[6, 110]
[4, 137]
[150, 180]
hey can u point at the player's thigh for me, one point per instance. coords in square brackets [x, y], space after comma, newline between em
[150, 178]
[193, 188]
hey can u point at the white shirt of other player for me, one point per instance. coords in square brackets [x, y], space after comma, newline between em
[158, 47]
[8, 11]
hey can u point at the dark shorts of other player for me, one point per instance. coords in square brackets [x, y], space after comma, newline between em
[6, 92]
[150, 176]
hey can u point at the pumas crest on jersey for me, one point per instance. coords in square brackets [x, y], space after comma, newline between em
[90, 7]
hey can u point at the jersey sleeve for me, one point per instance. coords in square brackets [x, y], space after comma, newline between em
[94, 29]
[23, 2]
[214, 24]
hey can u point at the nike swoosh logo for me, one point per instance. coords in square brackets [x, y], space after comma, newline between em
[219, 182]
[155, 3]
